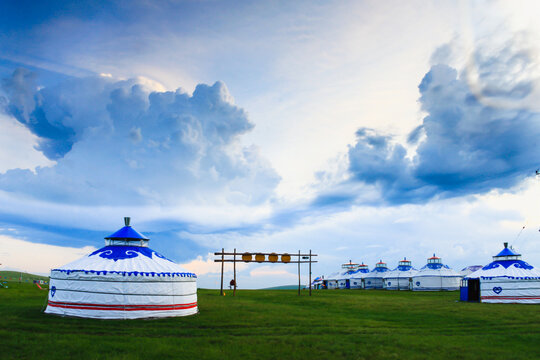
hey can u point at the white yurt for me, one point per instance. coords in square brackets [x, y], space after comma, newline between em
[356, 278]
[345, 276]
[123, 280]
[331, 281]
[507, 279]
[401, 277]
[470, 269]
[435, 276]
[374, 280]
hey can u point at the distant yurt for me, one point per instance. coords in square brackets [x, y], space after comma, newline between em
[507, 279]
[123, 280]
[401, 277]
[345, 276]
[435, 276]
[470, 269]
[357, 277]
[374, 280]
[331, 281]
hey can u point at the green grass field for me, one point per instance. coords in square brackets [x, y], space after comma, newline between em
[266, 324]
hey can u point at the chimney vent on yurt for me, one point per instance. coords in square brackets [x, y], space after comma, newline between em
[127, 236]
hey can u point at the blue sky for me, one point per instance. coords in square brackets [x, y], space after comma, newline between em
[360, 130]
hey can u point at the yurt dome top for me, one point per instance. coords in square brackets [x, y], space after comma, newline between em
[435, 263]
[404, 265]
[349, 266]
[380, 267]
[125, 252]
[360, 271]
[507, 263]
[127, 236]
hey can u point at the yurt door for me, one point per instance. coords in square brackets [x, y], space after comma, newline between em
[474, 290]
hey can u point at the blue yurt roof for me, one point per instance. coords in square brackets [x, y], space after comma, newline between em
[511, 267]
[507, 252]
[127, 232]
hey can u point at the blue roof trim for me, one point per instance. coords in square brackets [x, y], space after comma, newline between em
[119, 252]
[435, 266]
[129, 273]
[520, 264]
[507, 252]
[127, 232]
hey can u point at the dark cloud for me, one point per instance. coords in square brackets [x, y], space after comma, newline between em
[465, 145]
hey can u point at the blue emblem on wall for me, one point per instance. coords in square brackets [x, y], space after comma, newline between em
[497, 289]
[418, 283]
[125, 252]
[53, 291]
[389, 283]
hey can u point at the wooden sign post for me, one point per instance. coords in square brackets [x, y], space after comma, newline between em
[273, 258]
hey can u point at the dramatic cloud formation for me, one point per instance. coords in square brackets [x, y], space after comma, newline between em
[120, 143]
[465, 145]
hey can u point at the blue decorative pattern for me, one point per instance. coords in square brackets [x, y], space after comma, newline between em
[125, 252]
[520, 264]
[129, 273]
[497, 290]
[404, 267]
[53, 291]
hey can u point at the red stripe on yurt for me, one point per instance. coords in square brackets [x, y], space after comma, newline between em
[113, 305]
[122, 307]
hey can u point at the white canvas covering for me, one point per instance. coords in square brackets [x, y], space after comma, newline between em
[401, 277]
[374, 280]
[435, 276]
[356, 278]
[122, 282]
[508, 279]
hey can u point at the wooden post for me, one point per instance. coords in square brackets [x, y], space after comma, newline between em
[222, 264]
[310, 272]
[298, 272]
[234, 266]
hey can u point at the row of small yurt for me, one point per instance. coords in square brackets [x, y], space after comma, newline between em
[434, 276]
[123, 280]
[507, 279]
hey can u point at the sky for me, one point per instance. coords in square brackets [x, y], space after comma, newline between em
[360, 130]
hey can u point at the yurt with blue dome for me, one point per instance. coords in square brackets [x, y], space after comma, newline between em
[123, 280]
[507, 279]
[356, 278]
[374, 280]
[435, 276]
[344, 281]
[401, 277]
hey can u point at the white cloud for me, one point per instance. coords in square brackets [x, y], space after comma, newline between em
[21, 255]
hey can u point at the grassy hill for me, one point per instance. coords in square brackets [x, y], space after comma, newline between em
[14, 276]
[262, 324]
[283, 287]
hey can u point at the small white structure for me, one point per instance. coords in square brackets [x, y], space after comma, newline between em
[401, 277]
[374, 280]
[356, 279]
[507, 279]
[123, 280]
[435, 276]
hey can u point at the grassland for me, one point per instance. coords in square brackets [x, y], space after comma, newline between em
[10, 276]
[266, 324]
